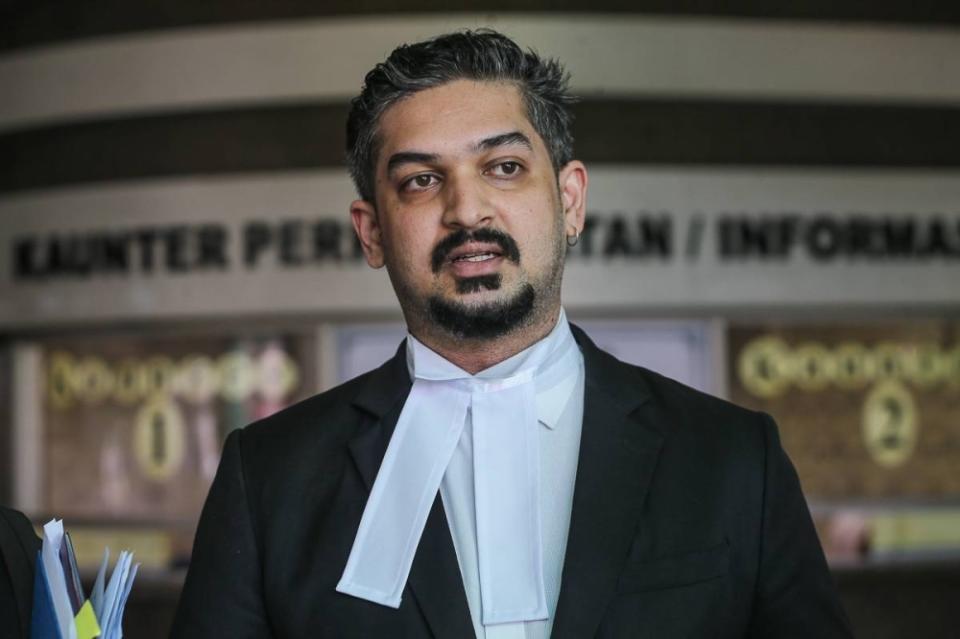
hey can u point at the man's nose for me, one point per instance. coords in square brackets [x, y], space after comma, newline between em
[467, 204]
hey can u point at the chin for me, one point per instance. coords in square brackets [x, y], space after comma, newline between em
[483, 314]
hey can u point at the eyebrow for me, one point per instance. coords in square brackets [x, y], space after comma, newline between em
[504, 139]
[409, 157]
[420, 157]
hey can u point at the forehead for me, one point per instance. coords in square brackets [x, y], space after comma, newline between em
[450, 118]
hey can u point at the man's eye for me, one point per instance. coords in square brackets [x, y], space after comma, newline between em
[505, 169]
[419, 182]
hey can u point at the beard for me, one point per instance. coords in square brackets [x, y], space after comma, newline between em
[480, 321]
[483, 321]
[490, 319]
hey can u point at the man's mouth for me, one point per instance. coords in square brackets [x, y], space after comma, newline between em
[475, 257]
[466, 251]
[474, 252]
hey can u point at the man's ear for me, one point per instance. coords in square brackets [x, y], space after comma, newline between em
[363, 214]
[573, 195]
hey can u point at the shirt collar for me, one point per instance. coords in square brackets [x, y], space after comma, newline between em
[551, 400]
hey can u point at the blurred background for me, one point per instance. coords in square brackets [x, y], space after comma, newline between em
[774, 217]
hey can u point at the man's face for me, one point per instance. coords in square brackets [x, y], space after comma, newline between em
[470, 217]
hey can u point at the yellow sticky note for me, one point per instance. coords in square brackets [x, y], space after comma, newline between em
[86, 622]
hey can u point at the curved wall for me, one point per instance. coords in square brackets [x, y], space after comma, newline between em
[176, 126]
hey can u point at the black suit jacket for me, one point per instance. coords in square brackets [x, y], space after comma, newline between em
[18, 556]
[688, 521]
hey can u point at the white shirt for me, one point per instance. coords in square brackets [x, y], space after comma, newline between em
[560, 413]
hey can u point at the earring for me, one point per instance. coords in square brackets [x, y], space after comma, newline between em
[573, 239]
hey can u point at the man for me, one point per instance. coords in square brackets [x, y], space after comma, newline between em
[500, 476]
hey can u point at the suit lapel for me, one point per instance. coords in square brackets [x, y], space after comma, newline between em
[435, 580]
[618, 454]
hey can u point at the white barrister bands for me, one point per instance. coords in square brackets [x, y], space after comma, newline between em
[396, 511]
[506, 480]
[506, 462]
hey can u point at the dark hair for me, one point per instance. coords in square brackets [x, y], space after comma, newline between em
[483, 55]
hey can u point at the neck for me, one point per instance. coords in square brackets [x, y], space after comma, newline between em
[476, 355]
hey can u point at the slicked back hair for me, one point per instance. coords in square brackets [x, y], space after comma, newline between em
[481, 55]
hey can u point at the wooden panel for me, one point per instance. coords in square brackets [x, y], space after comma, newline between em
[866, 411]
[133, 424]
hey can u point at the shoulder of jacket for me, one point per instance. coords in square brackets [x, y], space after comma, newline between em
[323, 414]
[689, 412]
[21, 528]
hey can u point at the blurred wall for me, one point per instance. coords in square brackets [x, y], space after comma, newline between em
[169, 161]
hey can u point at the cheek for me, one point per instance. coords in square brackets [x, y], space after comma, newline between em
[408, 250]
[539, 229]
[396, 235]
[410, 229]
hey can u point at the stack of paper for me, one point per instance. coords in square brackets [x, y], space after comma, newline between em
[60, 609]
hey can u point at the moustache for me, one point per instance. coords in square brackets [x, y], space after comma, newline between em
[456, 239]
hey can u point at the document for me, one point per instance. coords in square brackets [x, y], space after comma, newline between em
[60, 608]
